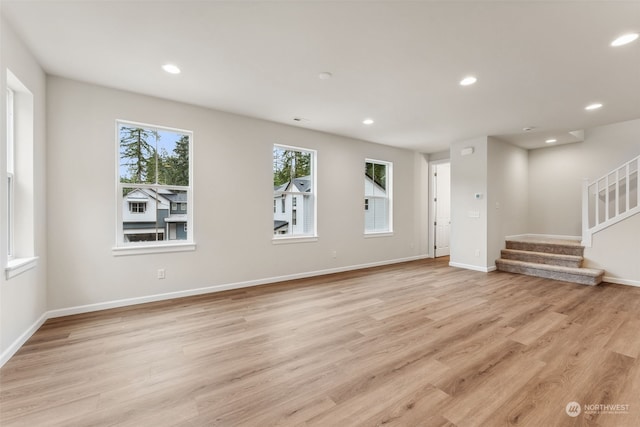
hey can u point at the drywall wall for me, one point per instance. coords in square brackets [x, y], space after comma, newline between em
[616, 249]
[23, 297]
[507, 195]
[469, 213]
[233, 200]
[488, 200]
[556, 175]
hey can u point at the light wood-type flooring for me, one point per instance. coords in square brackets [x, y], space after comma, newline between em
[412, 344]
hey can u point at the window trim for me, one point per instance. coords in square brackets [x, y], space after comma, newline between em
[389, 198]
[10, 123]
[122, 248]
[20, 127]
[313, 236]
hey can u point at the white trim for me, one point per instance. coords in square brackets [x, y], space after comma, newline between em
[373, 234]
[543, 236]
[293, 239]
[153, 249]
[472, 267]
[19, 342]
[619, 281]
[17, 266]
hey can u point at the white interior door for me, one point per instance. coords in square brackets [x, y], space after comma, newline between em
[442, 203]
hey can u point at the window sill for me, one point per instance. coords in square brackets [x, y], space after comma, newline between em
[378, 234]
[18, 266]
[295, 239]
[152, 249]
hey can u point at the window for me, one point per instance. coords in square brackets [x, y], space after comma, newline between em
[10, 180]
[19, 180]
[377, 197]
[294, 185]
[154, 188]
[137, 207]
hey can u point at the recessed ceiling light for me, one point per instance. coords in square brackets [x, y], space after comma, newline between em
[325, 75]
[468, 81]
[624, 39]
[593, 106]
[171, 69]
[551, 140]
[367, 121]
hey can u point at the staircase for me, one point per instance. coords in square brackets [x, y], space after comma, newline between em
[555, 259]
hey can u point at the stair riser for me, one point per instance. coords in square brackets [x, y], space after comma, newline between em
[567, 277]
[540, 259]
[542, 247]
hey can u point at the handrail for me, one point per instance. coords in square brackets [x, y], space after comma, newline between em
[597, 197]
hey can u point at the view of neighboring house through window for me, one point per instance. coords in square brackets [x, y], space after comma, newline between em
[154, 196]
[377, 196]
[294, 186]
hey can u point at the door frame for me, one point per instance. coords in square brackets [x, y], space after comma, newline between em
[432, 208]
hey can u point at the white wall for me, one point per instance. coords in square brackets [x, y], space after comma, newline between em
[617, 250]
[23, 298]
[507, 195]
[556, 175]
[233, 160]
[469, 176]
[497, 172]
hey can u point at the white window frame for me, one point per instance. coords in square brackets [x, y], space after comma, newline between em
[313, 235]
[389, 198]
[137, 248]
[10, 174]
[20, 124]
[138, 206]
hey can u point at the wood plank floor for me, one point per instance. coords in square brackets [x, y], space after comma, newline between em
[412, 344]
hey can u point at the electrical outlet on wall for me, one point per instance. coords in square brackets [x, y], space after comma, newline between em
[161, 274]
[477, 252]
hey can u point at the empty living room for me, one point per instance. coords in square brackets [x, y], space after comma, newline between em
[453, 235]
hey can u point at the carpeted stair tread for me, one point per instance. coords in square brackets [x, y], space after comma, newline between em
[542, 257]
[555, 246]
[587, 276]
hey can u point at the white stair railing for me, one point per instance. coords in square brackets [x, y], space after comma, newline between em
[610, 199]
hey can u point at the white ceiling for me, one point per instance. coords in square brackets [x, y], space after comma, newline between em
[538, 63]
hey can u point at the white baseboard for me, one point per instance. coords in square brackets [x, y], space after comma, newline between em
[472, 267]
[619, 281]
[19, 342]
[217, 288]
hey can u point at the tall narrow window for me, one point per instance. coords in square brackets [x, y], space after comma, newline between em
[155, 202]
[294, 184]
[19, 180]
[377, 197]
[10, 173]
